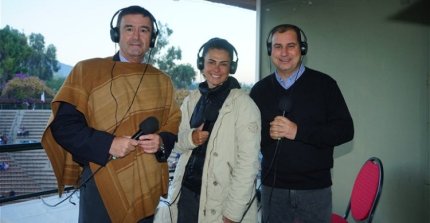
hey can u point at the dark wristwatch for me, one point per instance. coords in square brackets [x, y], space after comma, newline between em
[161, 155]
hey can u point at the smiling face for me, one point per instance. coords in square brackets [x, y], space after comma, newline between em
[216, 67]
[135, 36]
[286, 52]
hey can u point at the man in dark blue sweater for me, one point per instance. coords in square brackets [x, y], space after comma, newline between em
[304, 116]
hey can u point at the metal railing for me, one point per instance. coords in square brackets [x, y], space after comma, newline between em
[36, 146]
[20, 148]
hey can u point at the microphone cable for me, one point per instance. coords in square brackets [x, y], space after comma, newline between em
[116, 127]
[73, 192]
[274, 159]
[170, 204]
[263, 179]
[251, 201]
[276, 155]
[134, 96]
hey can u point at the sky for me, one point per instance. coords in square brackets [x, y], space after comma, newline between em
[79, 29]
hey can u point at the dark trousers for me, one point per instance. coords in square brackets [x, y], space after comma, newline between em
[296, 206]
[188, 206]
[149, 219]
[91, 207]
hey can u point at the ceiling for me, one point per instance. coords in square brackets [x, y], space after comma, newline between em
[417, 12]
[246, 4]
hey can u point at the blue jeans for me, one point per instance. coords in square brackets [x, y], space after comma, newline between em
[296, 206]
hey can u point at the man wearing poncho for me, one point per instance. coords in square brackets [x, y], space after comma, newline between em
[98, 108]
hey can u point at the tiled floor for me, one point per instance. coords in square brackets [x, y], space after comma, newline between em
[36, 211]
[40, 210]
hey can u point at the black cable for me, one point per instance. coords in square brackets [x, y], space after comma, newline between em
[274, 160]
[170, 204]
[275, 157]
[114, 98]
[74, 191]
[134, 96]
[55, 205]
[262, 180]
[116, 127]
[251, 202]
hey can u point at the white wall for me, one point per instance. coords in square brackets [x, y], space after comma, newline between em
[382, 68]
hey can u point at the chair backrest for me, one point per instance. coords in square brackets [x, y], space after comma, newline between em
[367, 190]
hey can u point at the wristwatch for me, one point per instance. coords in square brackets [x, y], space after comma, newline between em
[162, 149]
[161, 155]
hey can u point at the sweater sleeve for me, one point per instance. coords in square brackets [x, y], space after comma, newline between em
[338, 125]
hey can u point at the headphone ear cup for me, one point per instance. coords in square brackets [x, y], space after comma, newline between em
[153, 39]
[304, 48]
[200, 63]
[114, 34]
[233, 67]
[269, 48]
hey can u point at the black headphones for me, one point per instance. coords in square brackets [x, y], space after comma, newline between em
[299, 32]
[114, 31]
[217, 43]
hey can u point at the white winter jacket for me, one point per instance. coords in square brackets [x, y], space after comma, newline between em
[231, 163]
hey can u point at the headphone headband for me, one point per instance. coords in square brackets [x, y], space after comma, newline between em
[218, 43]
[115, 32]
[303, 42]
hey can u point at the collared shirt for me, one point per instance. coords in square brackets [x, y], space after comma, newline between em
[287, 83]
[123, 59]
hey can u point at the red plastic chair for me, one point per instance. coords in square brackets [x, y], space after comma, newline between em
[365, 193]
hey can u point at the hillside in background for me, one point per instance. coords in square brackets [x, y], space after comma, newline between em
[64, 70]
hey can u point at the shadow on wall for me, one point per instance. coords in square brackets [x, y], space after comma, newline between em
[417, 12]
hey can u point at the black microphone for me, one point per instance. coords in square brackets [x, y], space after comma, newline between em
[148, 126]
[285, 104]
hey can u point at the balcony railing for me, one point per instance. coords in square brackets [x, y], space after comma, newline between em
[16, 148]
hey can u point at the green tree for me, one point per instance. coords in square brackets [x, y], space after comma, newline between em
[183, 75]
[26, 88]
[164, 32]
[246, 87]
[167, 59]
[55, 83]
[167, 62]
[19, 54]
[14, 52]
[42, 62]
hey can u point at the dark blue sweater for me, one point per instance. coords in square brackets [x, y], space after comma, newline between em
[323, 121]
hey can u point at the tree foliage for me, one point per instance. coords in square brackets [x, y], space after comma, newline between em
[55, 83]
[167, 59]
[14, 52]
[183, 75]
[19, 54]
[25, 88]
[42, 61]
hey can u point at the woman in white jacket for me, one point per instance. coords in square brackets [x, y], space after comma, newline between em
[219, 142]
